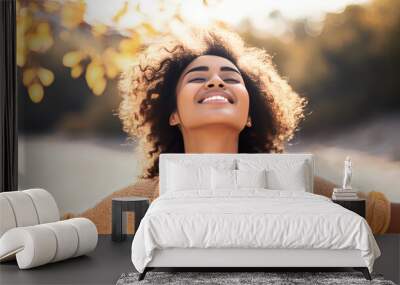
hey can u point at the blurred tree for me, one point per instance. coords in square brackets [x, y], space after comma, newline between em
[58, 52]
[349, 70]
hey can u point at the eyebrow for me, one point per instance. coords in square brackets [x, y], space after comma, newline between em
[205, 68]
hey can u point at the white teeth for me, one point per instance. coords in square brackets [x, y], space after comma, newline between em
[215, 98]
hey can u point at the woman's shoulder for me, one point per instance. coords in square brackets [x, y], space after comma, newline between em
[323, 186]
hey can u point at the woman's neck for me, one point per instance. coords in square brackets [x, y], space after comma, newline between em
[211, 139]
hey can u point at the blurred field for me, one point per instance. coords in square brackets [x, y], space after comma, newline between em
[78, 172]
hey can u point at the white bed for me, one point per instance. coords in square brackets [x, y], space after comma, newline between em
[248, 226]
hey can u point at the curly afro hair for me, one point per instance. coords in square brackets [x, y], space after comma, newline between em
[148, 92]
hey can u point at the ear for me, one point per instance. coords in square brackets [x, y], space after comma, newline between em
[174, 119]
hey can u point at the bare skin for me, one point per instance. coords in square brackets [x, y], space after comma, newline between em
[211, 124]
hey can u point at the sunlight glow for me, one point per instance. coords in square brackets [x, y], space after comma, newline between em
[266, 15]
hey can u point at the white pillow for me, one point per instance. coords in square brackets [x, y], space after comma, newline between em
[229, 179]
[251, 178]
[223, 179]
[292, 175]
[181, 177]
[293, 179]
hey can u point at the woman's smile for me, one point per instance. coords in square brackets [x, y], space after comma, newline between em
[216, 97]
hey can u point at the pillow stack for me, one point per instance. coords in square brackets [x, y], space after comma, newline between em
[237, 174]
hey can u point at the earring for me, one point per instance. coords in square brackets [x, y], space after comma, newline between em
[172, 122]
[248, 122]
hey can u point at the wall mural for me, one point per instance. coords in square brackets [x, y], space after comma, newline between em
[104, 88]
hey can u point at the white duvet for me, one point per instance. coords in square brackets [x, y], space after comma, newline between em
[252, 218]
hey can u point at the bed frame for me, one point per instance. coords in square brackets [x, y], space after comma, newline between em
[250, 258]
[242, 259]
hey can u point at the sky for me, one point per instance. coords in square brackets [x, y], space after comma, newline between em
[230, 11]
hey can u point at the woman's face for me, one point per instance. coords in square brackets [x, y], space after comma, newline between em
[211, 91]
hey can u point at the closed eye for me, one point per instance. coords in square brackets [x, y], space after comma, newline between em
[232, 80]
[197, 79]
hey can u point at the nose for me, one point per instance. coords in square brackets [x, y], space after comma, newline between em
[215, 81]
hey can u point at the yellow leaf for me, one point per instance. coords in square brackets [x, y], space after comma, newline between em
[110, 62]
[94, 73]
[111, 71]
[39, 42]
[99, 29]
[131, 45]
[43, 28]
[72, 14]
[28, 75]
[76, 71]
[36, 92]
[120, 13]
[21, 58]
[45, 76]
[72, 58]
[149, 29]
[99, 87]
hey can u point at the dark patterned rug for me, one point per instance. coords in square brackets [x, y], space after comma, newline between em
[229, 278]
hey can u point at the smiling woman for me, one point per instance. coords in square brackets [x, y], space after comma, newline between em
[207, 93]
[212, 106]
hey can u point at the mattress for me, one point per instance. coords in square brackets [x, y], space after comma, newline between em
[250, 219]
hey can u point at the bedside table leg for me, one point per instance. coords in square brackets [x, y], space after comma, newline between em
[117, 234]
